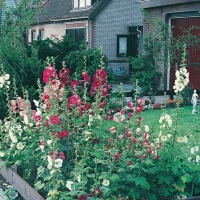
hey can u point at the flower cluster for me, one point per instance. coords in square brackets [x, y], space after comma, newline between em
[182, 79]
[195, 156]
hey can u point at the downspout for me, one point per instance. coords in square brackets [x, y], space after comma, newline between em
[88, 33]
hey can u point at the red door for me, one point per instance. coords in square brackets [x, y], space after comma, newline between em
[194, 52]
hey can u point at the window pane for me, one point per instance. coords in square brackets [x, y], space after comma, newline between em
[33, 35]
[123, 45]
[80, 35]
[75, 3]
[71, 33]
[82, 3]
[41, 34]
[88, 2]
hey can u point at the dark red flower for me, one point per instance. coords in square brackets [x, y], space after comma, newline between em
[87, 106]
[62, 155]
[64, 75]
[86, 77]
[74, 83]
[47, 75]
[156, 157]
[82, 197]
[117, 157]
[128, 162]
[130, 104]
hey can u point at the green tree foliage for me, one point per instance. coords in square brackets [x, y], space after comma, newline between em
[22, 66]
[91, 59]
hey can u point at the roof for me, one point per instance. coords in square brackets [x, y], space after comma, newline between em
[62, 10]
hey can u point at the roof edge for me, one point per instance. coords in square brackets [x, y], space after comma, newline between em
[158, 3]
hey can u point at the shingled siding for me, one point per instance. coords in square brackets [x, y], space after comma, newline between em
[114, 20]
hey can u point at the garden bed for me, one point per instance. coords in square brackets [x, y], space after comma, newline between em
[26, 191]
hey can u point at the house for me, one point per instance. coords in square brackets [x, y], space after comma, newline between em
[114, 25]
[178, 14]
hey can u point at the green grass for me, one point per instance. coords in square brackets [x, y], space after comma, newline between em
[186, 123]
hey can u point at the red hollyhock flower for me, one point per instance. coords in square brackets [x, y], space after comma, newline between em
[42, 143]
[91, 194]
[87, 106]
[150, 151]
[82, 197]
[130, 114]
[134, 140]
[156, 157]
[86, 77]
[74, 83]
[62, 155]
[130, 104]
[128, 163]
[47, 75]
[64, 134]
[159, 146]
[139, 156]
[54, 119]
[102, 74]
[74, 100]
[117, 157]
[64, 75]
[104, 92]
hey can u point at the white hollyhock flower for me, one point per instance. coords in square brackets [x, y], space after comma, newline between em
[20, 146]
[192, 150]
[79, 178]
[87, 133]
[2, 80]
[58, 163]
[197, 158]
[146, 127]
[106, 182]
[196, 148]
[69, 185]
[138, 130]
[25, 119]
[169, 135]
[164, 138]
[6, 76]
[185, 139]
[189, 159]
[36, 103]
[49, 142]
[2, 154]
[180, 139]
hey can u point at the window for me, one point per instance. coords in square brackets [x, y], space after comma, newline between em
[41, 34]
[122, 45]
[82, 3]
[33, 35]
[77, 34]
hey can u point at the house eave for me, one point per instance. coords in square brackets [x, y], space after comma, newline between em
[158, 3]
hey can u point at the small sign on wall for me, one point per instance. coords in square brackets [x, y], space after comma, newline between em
[119, 69]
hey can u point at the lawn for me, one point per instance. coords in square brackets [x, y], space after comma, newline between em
[187, 123]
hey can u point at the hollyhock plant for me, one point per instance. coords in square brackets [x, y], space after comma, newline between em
[74, 147]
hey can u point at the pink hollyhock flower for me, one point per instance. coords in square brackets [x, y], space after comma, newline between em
[47, 75]
[13, 105]
[139, 156]
[117, 157]
[62, 155]
[82, 197]
[139, 109]
[122, 112]
[74, 84]
[128, 134]
[145, 156]
[150, 151]
[55, 85]
[112, 129]
[134, 140]
[128, 163]
[130, 114]
[156, 157]
[118, 117]
[42, 143]
[121, 137]
[159, 146]
[54, 119]
[80, 108]
[74, 100]
[146, 135]
[53, 155]
[130, 104]
[109, 140]
[47, 123]
[111, 118]
[91, 194]
[21, 104]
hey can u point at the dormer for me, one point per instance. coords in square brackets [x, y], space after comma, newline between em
[80, 4]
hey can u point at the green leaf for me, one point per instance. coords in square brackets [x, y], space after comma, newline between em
[39, 185]
[164, 177]
[187, 178]
[180, 186]
[142, 182]
[114, 177]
